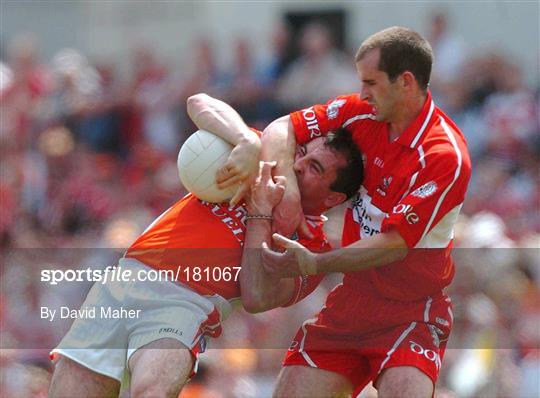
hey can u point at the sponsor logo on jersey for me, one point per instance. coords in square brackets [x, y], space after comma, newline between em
[426, 190]
[311, 121]
[235, 219]
[333, 109]
[406, 210]
[366, 214]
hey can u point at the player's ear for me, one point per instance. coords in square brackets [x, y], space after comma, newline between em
[334, 199]
[407, 79]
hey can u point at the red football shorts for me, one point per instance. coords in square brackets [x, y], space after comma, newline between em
[358, 335]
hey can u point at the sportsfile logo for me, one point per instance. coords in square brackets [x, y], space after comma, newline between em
[311, 121]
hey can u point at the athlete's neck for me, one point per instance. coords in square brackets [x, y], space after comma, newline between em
[406, 112]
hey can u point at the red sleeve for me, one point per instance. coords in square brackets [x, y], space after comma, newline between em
[426, 215]
[306, 284]
[318, 120]
[303, 287]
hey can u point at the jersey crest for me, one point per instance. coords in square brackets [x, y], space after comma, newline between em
[333, 109]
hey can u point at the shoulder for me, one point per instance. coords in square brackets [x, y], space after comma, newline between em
[446, 143]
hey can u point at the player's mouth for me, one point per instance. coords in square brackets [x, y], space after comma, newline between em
[374, 109]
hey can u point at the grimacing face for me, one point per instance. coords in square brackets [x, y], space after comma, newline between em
[316, 168]
[377, 88]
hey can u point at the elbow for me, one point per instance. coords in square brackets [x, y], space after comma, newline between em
[278, 125]
[196, 103]
[254, 305]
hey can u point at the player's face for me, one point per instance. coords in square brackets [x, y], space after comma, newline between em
[316, 168]
[376, 86]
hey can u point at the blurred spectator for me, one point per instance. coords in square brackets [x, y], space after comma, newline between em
[320, 72]
[154, 98]
[245, 86]
[450, 54]
[22, 94]
[510, 114]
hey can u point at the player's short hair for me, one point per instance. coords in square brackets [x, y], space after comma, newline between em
[402, 49]
[349, 177]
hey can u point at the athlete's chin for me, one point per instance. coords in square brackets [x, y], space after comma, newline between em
[379, 117]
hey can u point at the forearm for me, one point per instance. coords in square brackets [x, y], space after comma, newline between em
[260, 290]
[279, 144]
[219, 118]
[375, 251]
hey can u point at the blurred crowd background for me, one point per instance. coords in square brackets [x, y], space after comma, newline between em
[88, 160]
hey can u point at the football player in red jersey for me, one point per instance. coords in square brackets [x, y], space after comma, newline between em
[155, 353]
[389, 321]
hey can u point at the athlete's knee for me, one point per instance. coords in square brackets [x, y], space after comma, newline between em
[72, 379]
[158, 382]
[160, 369]
[303, 381]
[151, 388]
[404, 381]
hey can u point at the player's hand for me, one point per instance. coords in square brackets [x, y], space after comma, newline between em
[295, 260]
[241, 168]
[266, 192]
[289, 216]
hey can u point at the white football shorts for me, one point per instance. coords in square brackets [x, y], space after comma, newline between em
[166, 309]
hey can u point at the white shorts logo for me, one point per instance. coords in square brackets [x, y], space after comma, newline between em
[426, 190]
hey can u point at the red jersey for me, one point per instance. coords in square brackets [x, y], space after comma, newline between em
[194, 233]
[415, 184]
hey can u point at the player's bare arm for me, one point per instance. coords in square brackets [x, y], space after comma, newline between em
[217, 117]
[262, 291]
[279, 144]
[376, 251]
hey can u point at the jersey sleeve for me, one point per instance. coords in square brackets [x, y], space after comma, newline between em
[426, 214]
[303, 286]
[319, 120]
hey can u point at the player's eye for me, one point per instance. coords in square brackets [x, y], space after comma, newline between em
[315, 167]
[303, 150]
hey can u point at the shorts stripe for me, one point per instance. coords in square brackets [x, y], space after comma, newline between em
[426, 311]
[397, 343]
[301, 349]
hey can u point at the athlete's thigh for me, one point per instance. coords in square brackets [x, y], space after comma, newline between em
[303, 381]
[404, 381]
[160, 368]
[71, 379]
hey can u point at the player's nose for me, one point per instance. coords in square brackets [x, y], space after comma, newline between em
[364, 93]
[297, 167]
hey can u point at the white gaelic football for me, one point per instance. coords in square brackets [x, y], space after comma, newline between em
[201, 156]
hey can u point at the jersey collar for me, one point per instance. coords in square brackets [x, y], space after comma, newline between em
[317, 220]
[412, 134]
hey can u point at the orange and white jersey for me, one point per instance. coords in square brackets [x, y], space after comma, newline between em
[415, 184]
[201, 243]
